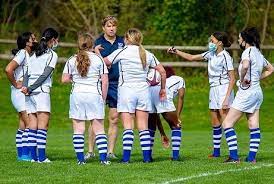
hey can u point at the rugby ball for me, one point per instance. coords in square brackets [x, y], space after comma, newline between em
[153, 77]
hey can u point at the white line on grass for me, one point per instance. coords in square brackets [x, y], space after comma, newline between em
[217, 173]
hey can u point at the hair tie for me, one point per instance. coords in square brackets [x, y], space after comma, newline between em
[43, 38]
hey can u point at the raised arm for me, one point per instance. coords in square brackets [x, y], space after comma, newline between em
[187, 56]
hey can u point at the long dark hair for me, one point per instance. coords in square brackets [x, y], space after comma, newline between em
[223, 37]
[47, 35]
[251, 36]
[21, 42]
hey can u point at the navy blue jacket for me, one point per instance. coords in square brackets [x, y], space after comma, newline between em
[113, 74]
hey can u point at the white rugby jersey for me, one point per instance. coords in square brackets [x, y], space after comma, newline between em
[256, 64]
[130, 65]
[174, 83]
[22, 59]
[218, 67]
[37, 66]
[92, 82]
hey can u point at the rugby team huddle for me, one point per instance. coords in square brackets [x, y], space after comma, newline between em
[118, 71]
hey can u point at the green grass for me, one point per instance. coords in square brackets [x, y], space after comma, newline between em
[196, 145]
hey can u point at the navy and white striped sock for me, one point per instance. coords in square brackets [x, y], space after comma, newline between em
[19, 134]
[255, 139]
[25, 148]
[41, 144]
[231, 140]
[78, 143]
[128, 137]
[217, 136]
[145, 142]
[152, 137]
[102, 145]
[32, 142]
[176, 137]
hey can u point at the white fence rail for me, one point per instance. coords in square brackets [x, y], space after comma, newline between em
[150, 47]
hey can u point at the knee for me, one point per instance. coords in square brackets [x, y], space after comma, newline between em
[79, 130]
[113, 119]
[226, 124]
[252, 124]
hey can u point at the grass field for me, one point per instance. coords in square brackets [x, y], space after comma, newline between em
[195, 167]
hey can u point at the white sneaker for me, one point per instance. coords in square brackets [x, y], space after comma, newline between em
[33, 161]
[89, 155]
[45, 161]
[81, 163]
[106, 162]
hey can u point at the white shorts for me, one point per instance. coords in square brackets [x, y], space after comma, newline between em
[248, 100]
[132, 99]
[39, 102]
[160, 106]
[18, 99]
[217, 96]
[86, 106]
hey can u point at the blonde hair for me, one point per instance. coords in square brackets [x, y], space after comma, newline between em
[135, 37]
[85, 43]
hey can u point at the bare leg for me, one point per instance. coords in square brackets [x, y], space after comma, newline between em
[113, 128]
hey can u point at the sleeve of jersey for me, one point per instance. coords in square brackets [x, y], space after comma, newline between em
[206, 55]
[19, 57]
[67, 68]
[182, 83]
[265, 62]
[153, 60]
[103, 67]
[246, 55]
[114, 57]
[53, 60]
[230, 63]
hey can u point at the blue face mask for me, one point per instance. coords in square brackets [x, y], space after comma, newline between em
[212, 47]
[54, 46]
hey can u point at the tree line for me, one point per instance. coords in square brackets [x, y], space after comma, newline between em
[163, 22]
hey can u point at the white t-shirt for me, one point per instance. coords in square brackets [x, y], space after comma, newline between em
[37, 66]
[256, 64]
[218, 67]
[92, 82]
[131, 69]
[22, 59]
[173, 84]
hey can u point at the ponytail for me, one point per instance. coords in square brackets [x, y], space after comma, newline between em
[85, 43]
[83, 63]
[142, 53]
